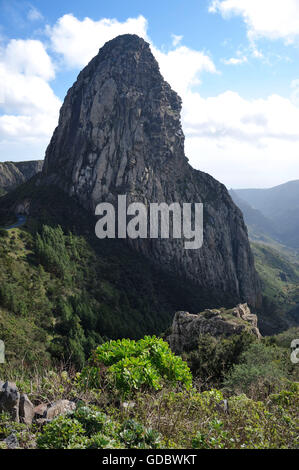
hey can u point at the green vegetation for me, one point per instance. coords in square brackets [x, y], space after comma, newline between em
[280, 287]
[60, 296]
[129, 365]
[168, 416]
[90, 428]
[66, 297]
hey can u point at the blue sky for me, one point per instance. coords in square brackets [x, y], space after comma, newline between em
[234, 63]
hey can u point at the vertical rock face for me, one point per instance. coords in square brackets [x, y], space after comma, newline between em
[119, 132]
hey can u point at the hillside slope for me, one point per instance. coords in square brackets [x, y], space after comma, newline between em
[280, 288]
[280, 206]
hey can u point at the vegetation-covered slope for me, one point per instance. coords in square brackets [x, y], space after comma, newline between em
[280, 288]
[278, 205]
[59, 295]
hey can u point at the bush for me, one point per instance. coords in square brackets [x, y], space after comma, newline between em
[214, 357]
[89, 428]
[62, 433]
[127, 366]
[262, 370]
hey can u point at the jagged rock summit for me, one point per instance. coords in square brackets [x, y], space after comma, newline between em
[119, 132]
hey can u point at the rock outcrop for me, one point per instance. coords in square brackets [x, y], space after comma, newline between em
[12, 174]
[186, 327]
[119, 132]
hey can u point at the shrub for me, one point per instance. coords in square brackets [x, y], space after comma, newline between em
[135, 436]
[214, 357]
[62, 433]
[261, 371]
[128, 365]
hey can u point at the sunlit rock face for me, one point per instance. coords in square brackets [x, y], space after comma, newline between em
[119, 132]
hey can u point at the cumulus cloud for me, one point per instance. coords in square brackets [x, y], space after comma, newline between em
[191, 64]
[272, 19]
[28, 105]
[79, 41]
[242, 142]
[27, 57]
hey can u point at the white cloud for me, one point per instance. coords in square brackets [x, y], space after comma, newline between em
[272, 19]
[242, 142]
[79, 41]
[235, 60]
[28, 105]
[295, 91]
[182, 67]
[27, 57]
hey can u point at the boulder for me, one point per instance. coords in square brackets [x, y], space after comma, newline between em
[60, 407]
[10, 400]
[11, 441]
[26, 410]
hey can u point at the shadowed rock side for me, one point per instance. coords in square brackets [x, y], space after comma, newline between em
[119, 132]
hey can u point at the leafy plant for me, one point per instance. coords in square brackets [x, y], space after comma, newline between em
[129, 365]
[62, 433]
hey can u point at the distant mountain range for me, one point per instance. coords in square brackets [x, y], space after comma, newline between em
[12, 174]
[271, 214]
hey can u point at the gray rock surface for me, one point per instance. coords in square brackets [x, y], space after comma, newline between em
[10, 400]
[12, 441]
[120, 132]
[26, 410]
[186, 327]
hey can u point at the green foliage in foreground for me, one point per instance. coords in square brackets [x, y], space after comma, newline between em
[129, 365]
[161, 414]
[90, 428]
[169, 419]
